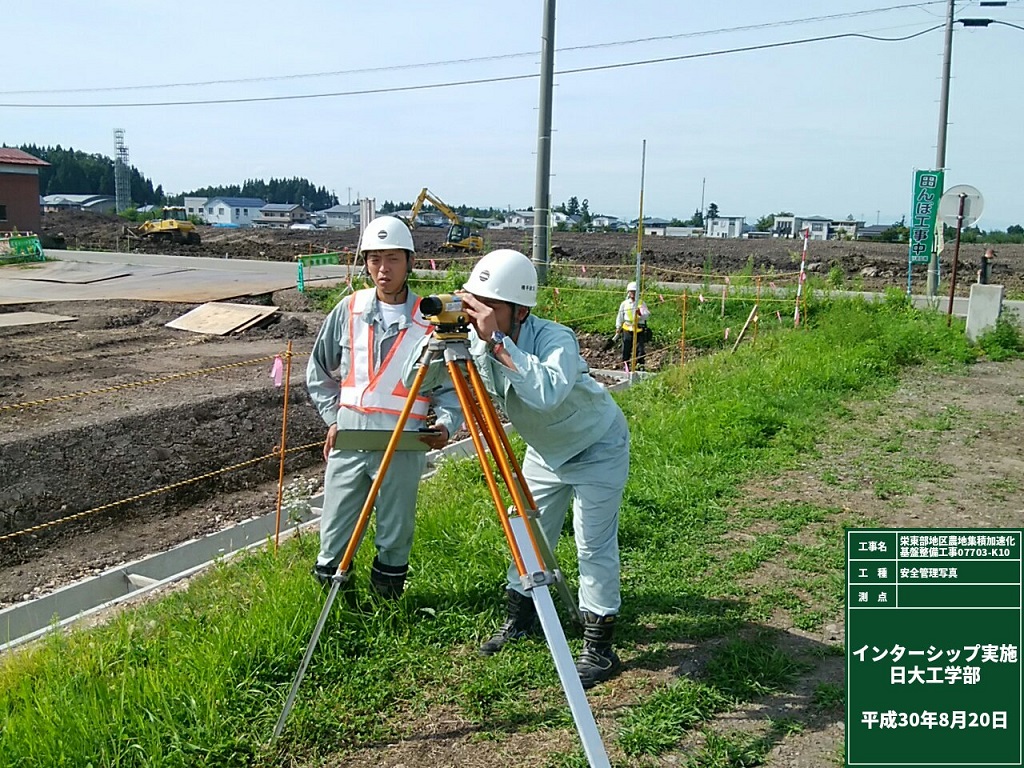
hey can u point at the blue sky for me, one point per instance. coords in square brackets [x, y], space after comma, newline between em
[830, 128]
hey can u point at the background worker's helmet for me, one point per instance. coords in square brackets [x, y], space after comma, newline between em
[505, 275]
[631, 287]
[385, 233]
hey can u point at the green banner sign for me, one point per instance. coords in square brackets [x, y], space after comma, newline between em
[924, 209]
[933, 635]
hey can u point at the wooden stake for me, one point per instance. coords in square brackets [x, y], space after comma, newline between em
[284, 438]
[744, 329]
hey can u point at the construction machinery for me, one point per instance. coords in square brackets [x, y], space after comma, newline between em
[460, 236]
[173, 226]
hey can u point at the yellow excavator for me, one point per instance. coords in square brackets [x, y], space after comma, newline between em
[172, 227]
[460, 236]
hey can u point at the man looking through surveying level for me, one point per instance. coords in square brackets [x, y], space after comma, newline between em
[577, 444]
[354, 379]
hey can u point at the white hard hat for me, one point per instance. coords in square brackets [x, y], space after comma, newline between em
[630, 287]
[384, 233]
[505, 275]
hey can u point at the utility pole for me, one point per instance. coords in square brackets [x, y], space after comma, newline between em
[940, 144]
[702, 182]
[542, 197]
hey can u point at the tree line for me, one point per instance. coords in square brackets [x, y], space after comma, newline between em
[73, 172]
[294, 190]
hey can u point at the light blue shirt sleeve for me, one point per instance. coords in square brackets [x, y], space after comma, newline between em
[328, 363]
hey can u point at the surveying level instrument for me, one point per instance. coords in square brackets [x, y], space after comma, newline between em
[533, 558]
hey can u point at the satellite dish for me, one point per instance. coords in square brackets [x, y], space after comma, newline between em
[949, 205]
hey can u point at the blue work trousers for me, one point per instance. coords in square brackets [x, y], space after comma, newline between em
[347, 484]
[592, 481]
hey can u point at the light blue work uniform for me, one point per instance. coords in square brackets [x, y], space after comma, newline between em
[577, 447]
[350, 473]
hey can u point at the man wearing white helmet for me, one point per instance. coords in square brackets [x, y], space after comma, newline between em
[632, 316]
[354, 379]
[577, 445]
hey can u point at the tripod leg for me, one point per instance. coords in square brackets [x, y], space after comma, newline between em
[561, 585]
[353, 543]
[583, 716]
[290, 701]
[512, 473]
[473, 424]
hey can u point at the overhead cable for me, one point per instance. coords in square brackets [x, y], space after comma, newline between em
[480, 81]
[478, 59]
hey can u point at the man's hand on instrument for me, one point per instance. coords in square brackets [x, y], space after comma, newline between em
[480, 315]
[436, 437]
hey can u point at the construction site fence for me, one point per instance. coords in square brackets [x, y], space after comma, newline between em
[276, 435]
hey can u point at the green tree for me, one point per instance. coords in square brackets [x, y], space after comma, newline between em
[697, 220]
[765, 223]
[1015, 229]
[573, 207]
[74, 172]
[713, 211]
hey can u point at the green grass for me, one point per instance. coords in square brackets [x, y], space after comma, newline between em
[199, 677]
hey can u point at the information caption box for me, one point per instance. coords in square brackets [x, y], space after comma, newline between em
[933, 635]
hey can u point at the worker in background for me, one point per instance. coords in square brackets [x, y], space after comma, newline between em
[577, 445]
[354, 379]
[632, 316]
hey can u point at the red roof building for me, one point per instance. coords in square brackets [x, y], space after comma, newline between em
[19, 190]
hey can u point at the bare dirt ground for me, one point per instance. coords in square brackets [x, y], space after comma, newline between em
[72, 455]
[865, 265]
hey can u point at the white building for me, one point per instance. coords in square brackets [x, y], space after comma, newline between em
[196, 206]
[280, 215]
[519, 220]
[341, 216]
[232, 211]
[724, 226]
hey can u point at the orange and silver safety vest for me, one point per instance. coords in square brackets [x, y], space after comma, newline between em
[382, 391]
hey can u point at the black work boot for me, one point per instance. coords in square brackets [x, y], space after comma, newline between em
[520, 621]
[388, 581]
[597, 661]
[324, 574]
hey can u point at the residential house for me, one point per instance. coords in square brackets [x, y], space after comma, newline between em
[818, 226]
[653, 225]
[601, 221]
[232, 211]
[519, 220]
[19, 190]
[93, 203]
[196, 206]
[341, 216]
[872, 231]
[844, 230]
[787, 226]
[280, 215]
[725, 226]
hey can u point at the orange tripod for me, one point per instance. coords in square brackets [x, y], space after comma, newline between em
[531, 554]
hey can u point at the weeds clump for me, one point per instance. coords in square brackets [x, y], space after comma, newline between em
[1004, 342]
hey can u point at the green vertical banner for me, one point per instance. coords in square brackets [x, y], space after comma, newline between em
[933, 635]
[923, 211]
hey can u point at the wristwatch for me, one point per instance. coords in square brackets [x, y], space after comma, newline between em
[497, 339]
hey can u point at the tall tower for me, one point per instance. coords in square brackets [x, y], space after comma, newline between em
[122, 177]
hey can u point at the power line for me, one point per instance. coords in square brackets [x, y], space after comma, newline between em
[479, 59]
[480, 81]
